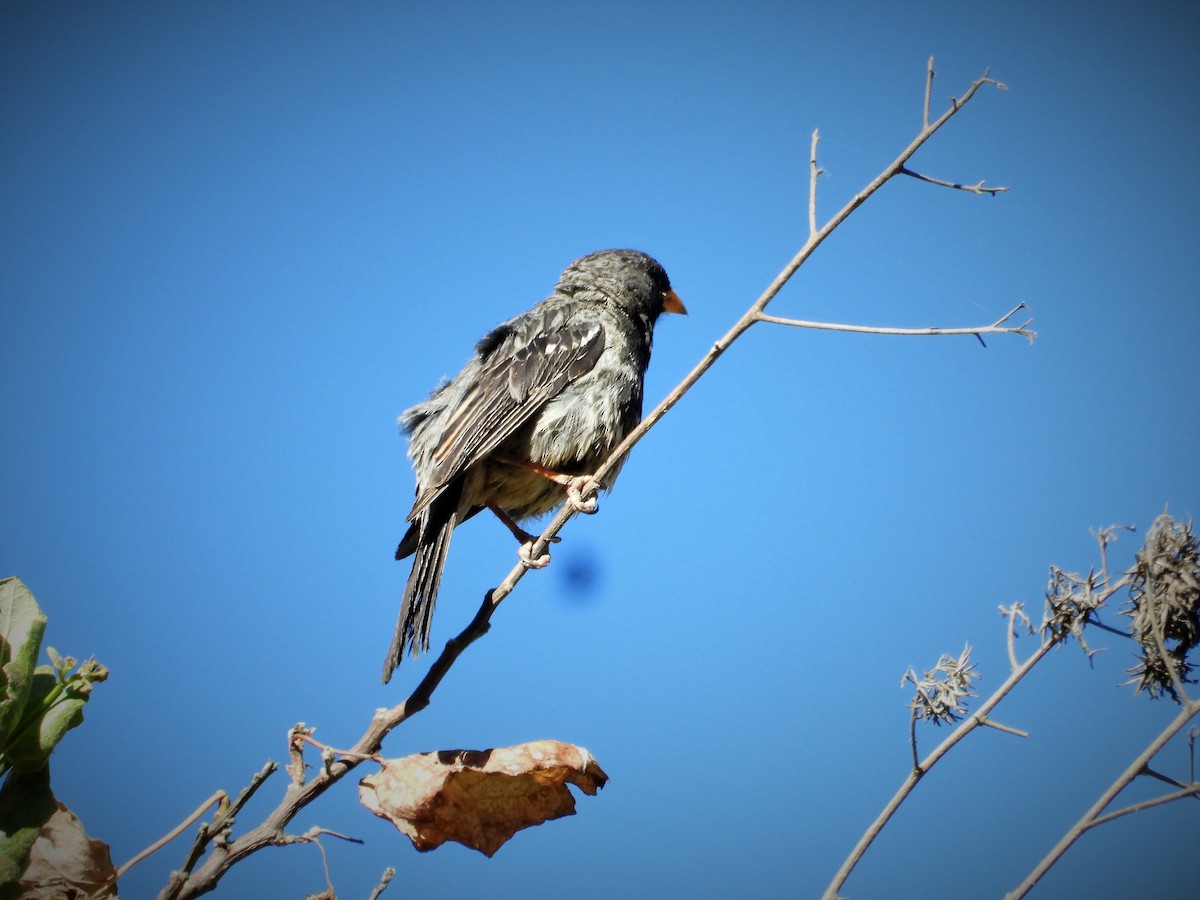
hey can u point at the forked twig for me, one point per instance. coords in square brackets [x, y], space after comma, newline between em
[1094, 816]
[969, 724]
[1051, 638]
[221, 823]
[271, 832]
[1162, 584]
[755, 312]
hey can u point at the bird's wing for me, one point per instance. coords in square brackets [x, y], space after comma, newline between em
[523, 364]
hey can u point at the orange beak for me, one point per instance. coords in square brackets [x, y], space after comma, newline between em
[672, 303]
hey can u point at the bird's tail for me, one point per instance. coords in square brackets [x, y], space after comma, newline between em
[429, 538]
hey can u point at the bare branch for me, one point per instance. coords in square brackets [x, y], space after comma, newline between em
[1192, 790]
[751, 315]
[316, 831]
[1093, 817]
[968, 725]
[220, 826]
[1193, 733]
[271, 831]
[1070, 604]
[912, 741]
[996, 327]
[1013, 614]
[928, 92]
[1157, 556]
[1007, 729]
[217, 797]
[312, 836]
[970, 188]
[331, 752]
[814, 172]
[1167, 779]
[296, 767]
[388, 874]
[337, 764]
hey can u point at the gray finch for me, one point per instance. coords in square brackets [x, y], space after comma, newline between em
[547, 397]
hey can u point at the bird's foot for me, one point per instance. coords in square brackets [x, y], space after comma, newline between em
[522, 536]
[581, 489]
[525, 554]
[581, 494]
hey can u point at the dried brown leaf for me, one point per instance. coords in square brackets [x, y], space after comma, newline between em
[65, 863]
[479, 798]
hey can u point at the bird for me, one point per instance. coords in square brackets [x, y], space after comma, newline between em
[544, 400]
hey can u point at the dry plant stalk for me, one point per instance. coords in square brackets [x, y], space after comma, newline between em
[1164, 604]
[190, 881]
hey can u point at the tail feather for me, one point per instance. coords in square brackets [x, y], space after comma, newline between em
[429, 538]
[408, 544]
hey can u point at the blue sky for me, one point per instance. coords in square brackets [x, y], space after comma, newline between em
[239, 239]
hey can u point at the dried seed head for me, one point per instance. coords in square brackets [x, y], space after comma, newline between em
[941, 695]
[1070, 601]
[1164, 606]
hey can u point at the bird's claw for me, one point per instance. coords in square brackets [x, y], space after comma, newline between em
[525, 554]
[527, 539]
[581, 494]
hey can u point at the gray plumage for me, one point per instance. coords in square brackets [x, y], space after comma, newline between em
[558, 386]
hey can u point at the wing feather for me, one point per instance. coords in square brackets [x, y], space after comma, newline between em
[522, 365]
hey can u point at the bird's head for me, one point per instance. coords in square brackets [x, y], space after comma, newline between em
[628, 278]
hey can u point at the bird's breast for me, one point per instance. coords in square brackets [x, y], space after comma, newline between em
[577, 430]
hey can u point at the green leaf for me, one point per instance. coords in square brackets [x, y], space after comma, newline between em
[51, 711]
[22, 624]
[26, 804]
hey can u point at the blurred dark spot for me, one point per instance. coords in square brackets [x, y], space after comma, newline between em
[579, 572]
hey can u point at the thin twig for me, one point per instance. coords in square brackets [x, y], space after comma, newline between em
[969, 724]
[928, 91]
[311, 838]
[316, 831]
[270, 832]
[388, 874]
[1012, 646]
[1012, 614]
[204, 835]
[1167, 779]
[1101, 592]
[175, 832]
[1007, 729]
[1106, 536]
[740, 326]
[995, 328]
[1193, 733]
[1192, 790]
[969, 188]
[333, 751]
[814, 171]
[912, 740]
